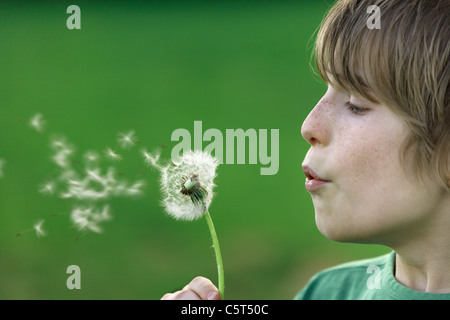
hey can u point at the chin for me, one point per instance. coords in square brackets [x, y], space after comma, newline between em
[343, 232]
[334, 235]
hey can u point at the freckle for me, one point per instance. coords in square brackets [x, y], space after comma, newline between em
[328, 101]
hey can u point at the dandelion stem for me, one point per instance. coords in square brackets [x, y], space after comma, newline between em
[217, 253]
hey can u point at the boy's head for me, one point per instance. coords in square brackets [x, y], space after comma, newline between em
[404, 64]
[384, 120]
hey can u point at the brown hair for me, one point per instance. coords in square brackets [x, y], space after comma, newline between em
[404, 64]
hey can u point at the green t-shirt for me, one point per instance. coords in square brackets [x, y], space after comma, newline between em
[371, 279]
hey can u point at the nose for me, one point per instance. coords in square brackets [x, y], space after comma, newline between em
[316, 128]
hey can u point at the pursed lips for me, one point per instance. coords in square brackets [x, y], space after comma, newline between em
[313, 180]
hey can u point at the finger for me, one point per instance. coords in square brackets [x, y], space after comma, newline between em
[204, 288]
[170, 296]
[186, 295]
[167, 296]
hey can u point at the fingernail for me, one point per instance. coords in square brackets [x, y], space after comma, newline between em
[213, 296]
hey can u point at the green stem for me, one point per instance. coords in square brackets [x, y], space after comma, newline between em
[218, 254]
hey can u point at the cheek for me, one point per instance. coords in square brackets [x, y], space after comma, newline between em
[370, 179]
[368, 159]
[364, 192]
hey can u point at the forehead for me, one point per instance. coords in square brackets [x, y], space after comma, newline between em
[349, 55]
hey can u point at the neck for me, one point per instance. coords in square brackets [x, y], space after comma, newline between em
[427, 274]
[422, 261]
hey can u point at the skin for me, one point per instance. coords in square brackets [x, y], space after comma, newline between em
[198, 289]
[371, 197]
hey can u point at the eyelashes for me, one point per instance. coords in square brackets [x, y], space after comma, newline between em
[355, 109]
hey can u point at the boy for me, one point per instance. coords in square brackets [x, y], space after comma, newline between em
[378, 166]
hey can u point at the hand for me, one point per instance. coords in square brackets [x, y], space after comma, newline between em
[198, 289]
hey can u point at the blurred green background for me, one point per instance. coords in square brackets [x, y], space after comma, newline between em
[153, 68]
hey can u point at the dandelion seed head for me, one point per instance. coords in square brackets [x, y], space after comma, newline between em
[191, 187]
[37, 122]
[187, 185]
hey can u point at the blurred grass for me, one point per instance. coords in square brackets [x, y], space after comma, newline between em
[154, 68]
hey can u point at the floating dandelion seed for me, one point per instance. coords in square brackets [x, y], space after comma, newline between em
[38, 228]
[91, 157]
[83, 182]
[112, 155]
[187, 186]
[96, 186]
[47, 188]
[127, 140]
[2, 165]
[87, 218]
[93, 186]
[151, 158]
[62, 151]
[37, 122]
[135, 189]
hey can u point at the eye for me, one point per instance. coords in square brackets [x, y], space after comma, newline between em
[355, 109]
